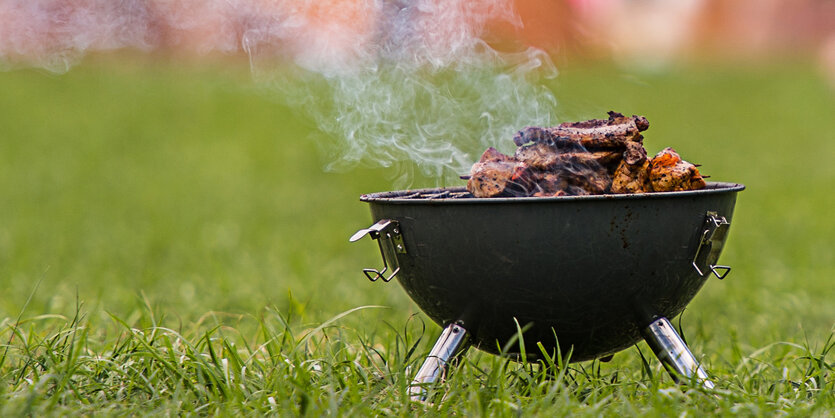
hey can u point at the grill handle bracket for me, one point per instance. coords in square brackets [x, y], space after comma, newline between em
[387, 234]
[711, 241]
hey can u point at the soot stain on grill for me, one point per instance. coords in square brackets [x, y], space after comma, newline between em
[627, 223]
[621, 227]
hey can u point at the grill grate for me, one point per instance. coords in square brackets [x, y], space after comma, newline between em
[437, 194]
[461, 193]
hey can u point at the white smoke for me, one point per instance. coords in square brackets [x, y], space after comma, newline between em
[410, 85]
[55, 34]
[424, 92]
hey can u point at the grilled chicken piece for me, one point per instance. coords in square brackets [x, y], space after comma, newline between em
[496, 174]
[592, 157]
[614, 132]
[631, 178]
[493, 155]
[668, 172]
[632, 174]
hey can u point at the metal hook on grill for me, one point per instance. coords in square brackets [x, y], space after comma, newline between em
[710, 245]
[390, 240]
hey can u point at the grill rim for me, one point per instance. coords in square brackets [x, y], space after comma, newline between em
[397, 196]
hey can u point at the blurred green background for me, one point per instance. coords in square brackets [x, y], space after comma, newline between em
[187, 185]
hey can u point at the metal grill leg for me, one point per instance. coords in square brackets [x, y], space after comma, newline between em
[452, 342]
[673, 352]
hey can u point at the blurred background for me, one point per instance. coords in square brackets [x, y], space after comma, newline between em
[158, 153]
[646, 33]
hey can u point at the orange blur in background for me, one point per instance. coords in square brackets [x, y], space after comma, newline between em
[641, 31]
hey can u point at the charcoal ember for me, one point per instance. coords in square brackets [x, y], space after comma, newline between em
[668, 172]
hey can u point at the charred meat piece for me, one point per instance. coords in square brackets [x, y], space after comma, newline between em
[543, 156]
[581, 158]
[635, 153]
[571, 173]
[496, 174]
[591, 134]
[668, 172]
[543, 135]
[590, 177]
[632, 174]
[631, 178]
[602, 158]
[551, 184]
[493, 155]
[576, 175]
[539, 155]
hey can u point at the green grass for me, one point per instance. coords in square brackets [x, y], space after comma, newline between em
[169, 242]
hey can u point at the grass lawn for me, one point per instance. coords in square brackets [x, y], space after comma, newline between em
[169, 241]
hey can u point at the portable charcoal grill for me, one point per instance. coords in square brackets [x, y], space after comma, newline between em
[590, 274]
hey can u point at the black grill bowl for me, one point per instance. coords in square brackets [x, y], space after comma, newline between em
[588, 271]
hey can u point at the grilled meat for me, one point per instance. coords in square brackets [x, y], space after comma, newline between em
[634, 154]
[632, 174]
[539, 155]
[496, 174]
[572, 174]
[543, 156]
[668, 172]
[631, 178]
[614, 132]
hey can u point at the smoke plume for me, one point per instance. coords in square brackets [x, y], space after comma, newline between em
[410, 85]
